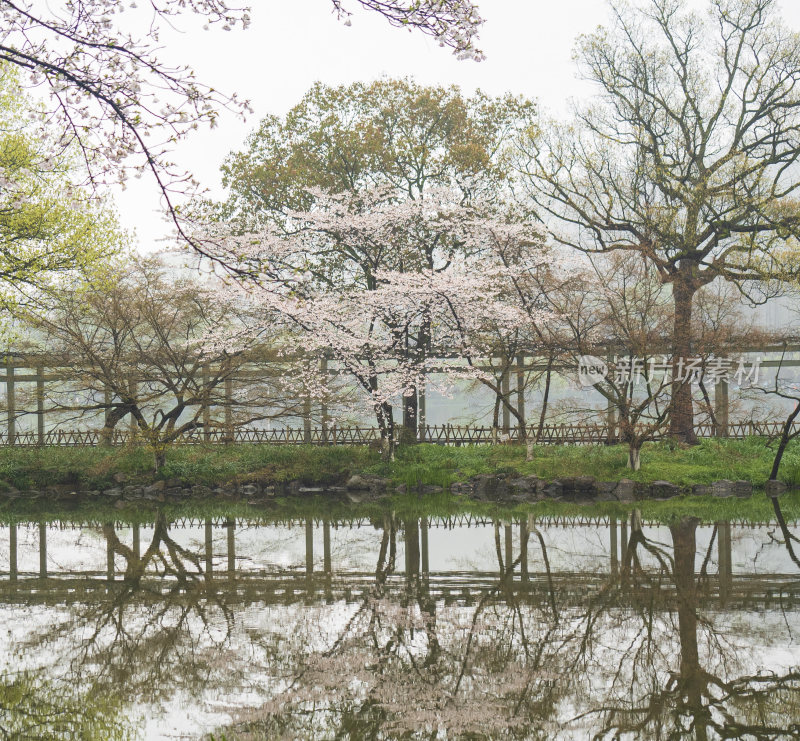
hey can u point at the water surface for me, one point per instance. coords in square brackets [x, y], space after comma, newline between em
[399, 627]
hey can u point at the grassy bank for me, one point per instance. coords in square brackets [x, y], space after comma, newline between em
[95, 468]
[749, 460]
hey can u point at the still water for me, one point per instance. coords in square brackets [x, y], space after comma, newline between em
[388, 627]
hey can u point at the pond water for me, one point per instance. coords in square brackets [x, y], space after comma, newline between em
[387, 627]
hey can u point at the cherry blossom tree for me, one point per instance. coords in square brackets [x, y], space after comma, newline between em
[113, 97]
[405, 269]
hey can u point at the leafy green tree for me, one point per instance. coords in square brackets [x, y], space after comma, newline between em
[392, 137]
[48, 231]
[393, 133]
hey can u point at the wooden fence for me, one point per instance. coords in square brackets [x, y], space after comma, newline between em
[553, 434]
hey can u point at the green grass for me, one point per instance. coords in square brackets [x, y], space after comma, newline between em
[94, 468]
[749, 459]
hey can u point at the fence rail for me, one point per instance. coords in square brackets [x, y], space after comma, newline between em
[552, 434]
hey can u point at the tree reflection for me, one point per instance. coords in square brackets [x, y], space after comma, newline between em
[164, 625]
[634, 659]
[681, 697]
[539, 645]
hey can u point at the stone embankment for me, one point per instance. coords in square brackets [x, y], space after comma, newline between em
[501, 487]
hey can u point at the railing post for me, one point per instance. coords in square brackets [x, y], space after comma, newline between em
[423, 540]
[134, 392]
[611, 423]
[724, 561]
[326, 547]
[505, 389]
[309, 546]
[230, 524]
[42, 550]
[40, 405]
[307, 420]
[323, 370]
[228, 410]
[206, 413]
[421, 412]
[12, 555]
[209, 533]
[11, 401]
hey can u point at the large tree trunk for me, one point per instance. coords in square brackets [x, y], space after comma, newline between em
[410, 417]
[681, 421]
[634, 463]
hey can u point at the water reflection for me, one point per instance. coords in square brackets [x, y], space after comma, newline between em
[395, 627]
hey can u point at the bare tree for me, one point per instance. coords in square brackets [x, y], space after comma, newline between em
[135, 340]
[686, 157]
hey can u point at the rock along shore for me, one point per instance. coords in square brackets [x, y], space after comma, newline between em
[500, 487]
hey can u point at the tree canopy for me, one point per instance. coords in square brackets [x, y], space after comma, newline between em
[389, 133]
[113, 96]
[48, 228]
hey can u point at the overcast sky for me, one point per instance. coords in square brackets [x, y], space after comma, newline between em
[292, 44]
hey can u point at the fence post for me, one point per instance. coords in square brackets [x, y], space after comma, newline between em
[721, 407]
[206, 405]
[307, 420]
[209, 548]
[42, 550]
[228, 410]
[309, 546]
[611, 423]
[134, 392]
[230, 524]
[11, 401]
[12, 556]
[40, 404]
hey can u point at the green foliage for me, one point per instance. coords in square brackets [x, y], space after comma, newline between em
[32, 708]
[48, 228]
[748, 459]
[418, 465]
[388, 132]
[94, 468]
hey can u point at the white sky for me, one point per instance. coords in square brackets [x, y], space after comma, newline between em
[292, 44]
